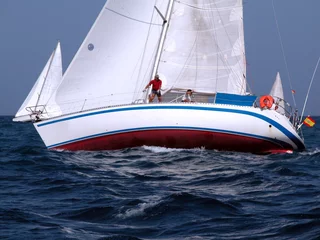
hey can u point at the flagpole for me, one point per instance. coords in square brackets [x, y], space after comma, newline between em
[305, 102]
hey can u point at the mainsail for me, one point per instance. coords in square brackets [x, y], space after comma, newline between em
[44, 87]
[204, 48]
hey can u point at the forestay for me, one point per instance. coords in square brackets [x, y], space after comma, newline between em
[204, 48]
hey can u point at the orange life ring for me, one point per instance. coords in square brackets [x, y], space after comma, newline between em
[266, 101]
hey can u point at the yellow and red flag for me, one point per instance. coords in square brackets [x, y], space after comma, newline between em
[309, 121]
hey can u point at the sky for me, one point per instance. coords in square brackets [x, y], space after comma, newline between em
[30, 29]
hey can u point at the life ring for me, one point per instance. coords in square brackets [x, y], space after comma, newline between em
[266, 101]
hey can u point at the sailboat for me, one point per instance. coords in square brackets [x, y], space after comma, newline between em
[278, 95]
[50, 77]
[190, 44]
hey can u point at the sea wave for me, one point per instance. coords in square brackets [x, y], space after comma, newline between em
[155, 193]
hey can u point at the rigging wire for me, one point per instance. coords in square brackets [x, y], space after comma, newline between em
[305, 102]
[283, 54]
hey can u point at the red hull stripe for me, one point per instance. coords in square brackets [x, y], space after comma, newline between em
[290, 135]
[176, 138]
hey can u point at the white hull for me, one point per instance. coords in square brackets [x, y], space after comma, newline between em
[177, 125]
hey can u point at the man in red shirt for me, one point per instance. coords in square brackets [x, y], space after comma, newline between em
[156, 86]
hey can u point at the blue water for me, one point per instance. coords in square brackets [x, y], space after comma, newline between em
[155, 193]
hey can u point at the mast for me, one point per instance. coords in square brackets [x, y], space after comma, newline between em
[45, 78]
[163, 34]
[164, 31]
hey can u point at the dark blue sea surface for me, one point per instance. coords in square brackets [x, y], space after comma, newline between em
[155, 193]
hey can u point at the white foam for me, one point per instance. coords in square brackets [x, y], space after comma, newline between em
[139, 210]
[164, 149]
[311, 152]
[68, 230]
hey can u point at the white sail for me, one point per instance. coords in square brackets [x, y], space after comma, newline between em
[204, 49]
[115, 60]
[277, 92]
[44, 87]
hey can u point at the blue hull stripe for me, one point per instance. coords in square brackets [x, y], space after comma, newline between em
[291, 136]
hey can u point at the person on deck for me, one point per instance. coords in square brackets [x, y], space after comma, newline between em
[187, 97]
[156, 86]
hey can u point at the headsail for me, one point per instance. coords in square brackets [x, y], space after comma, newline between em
[204, 48]
[44, 87]
[115, 60]
[277, 92]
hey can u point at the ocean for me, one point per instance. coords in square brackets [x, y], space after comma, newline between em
[155, 193]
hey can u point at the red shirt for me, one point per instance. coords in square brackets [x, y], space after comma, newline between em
[156, 84]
